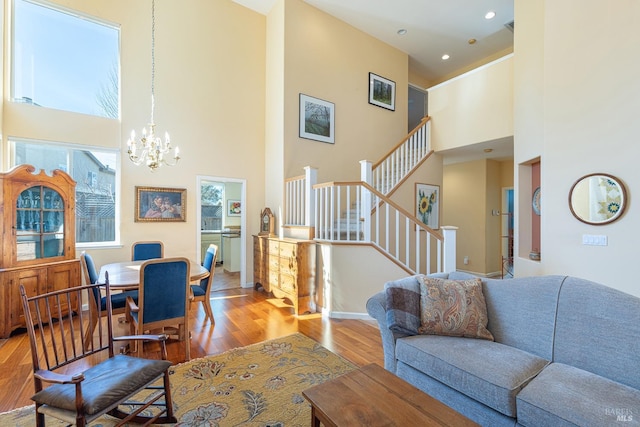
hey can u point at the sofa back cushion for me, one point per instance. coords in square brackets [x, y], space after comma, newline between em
[522, 312]
[598, 330]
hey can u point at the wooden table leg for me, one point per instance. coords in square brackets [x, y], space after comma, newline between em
[315, 421]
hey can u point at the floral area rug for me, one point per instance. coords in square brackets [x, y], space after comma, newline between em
[259, 385]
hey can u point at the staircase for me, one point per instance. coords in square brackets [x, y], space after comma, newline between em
[388, 173]
[361, 212]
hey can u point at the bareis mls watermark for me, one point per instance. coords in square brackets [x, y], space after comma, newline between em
[620, 414]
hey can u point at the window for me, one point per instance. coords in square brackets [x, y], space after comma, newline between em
[95, 172]
[212, 194]
[64, 60]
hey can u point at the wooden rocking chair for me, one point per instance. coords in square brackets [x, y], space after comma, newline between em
[89, 380]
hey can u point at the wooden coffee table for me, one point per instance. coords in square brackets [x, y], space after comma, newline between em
[372, 396]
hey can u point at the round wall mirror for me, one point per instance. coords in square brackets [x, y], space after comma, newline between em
[597, 199]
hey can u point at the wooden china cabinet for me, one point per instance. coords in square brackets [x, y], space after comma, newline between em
[38, 239]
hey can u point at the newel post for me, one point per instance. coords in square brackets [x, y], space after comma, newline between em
[366, 174]
[449, 248]
[366, 171]
[311, 179]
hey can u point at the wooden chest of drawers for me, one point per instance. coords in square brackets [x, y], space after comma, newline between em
[286, 268]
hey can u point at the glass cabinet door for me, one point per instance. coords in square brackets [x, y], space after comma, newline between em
[39, 224]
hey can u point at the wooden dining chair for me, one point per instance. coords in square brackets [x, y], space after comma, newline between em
[78, 383]
[202, 291]
[98, 302]
[163, 301]
[144, 250]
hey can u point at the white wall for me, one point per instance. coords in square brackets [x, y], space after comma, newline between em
[350, 275]
[210, 96]
[475, 107]
[587, 122]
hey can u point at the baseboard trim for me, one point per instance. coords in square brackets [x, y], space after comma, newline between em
[347, 315]
[486, 275]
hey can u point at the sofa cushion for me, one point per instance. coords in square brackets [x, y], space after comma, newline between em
[403, 306]
[562, 395]
[453, 308]
[457, 401]
[522, 312]
[598, 330]
[489, 372]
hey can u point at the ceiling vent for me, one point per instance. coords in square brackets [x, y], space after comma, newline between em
[510, 25]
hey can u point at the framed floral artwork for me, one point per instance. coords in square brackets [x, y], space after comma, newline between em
[428, 204]
[234, 208]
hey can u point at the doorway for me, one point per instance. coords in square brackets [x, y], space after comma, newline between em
[221, 220]
[418, 103]
[507, 235]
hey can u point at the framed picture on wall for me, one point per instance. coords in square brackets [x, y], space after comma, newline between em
[428, 204]
[234, 208]
[156, 204]
[317, 119]
[382, 92]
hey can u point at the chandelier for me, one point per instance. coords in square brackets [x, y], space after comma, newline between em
[150, 149]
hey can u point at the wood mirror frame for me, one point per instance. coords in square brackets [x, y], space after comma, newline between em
[598, 199]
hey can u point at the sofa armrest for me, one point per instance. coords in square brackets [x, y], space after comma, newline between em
[376, 307]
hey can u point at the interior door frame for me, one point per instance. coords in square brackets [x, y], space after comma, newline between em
[504, 228]
[422, 110]
[243, 220]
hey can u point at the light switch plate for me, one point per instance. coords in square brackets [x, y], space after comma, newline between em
[594, 240]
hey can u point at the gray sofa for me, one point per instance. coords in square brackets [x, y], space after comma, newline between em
[566, 353]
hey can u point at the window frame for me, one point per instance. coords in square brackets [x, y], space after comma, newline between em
[69, 148]
[75, 14]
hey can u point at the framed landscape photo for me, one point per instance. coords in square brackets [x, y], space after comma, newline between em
[156, 204]
[428, 204]
[317, 119]
[382, 92]
[234, 208]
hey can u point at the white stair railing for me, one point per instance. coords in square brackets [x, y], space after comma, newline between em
[334, 211]
[389, 172]
[411, 244]
[299, 206]
[384, 176]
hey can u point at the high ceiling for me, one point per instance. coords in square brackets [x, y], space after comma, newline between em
[434, 28]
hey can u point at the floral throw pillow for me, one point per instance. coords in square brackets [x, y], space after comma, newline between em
[453, 308]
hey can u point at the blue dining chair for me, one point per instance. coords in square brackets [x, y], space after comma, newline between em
[202, 291]
[163, 301]
[118, 300]
[144, 250]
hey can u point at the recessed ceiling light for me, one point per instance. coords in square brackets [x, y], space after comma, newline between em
[445, 57]
[472, 41]
[402, 32]
[490, 15]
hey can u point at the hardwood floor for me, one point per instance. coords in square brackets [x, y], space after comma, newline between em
[242, 317]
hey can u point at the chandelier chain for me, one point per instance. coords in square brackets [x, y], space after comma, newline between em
[151, 149]
[153, 56]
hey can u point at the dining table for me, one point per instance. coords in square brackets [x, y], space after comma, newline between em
[126, 275]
